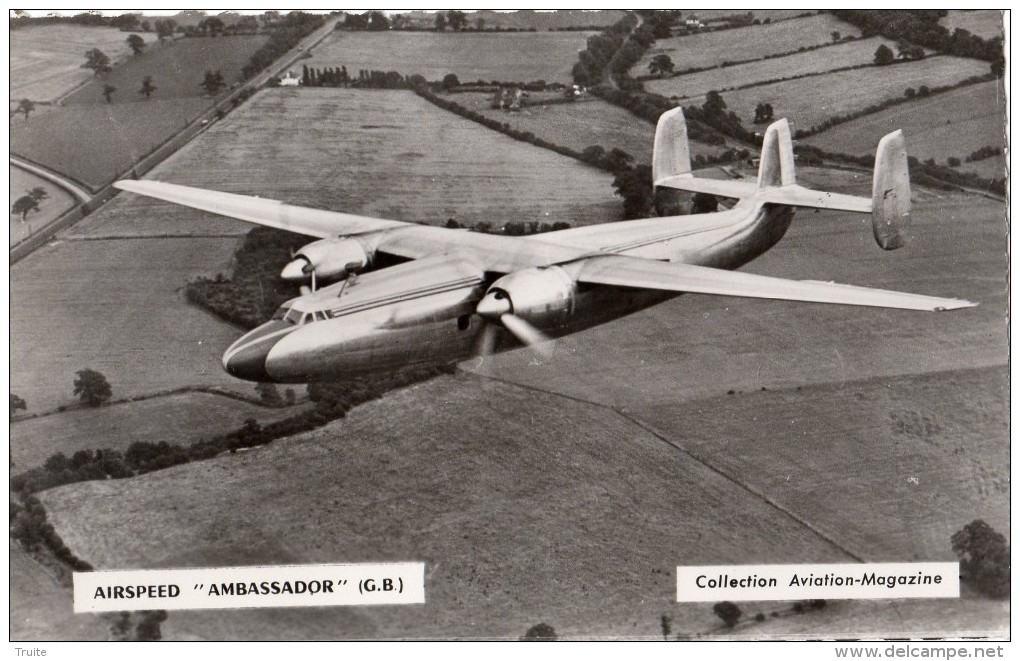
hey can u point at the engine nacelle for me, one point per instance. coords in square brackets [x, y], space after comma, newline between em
[542, 296]
[329, 259]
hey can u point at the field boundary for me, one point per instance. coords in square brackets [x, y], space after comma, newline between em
[208, 390]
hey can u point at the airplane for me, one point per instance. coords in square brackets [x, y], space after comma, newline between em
[401, 294]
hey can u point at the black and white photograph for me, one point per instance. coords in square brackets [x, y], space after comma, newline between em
[509, 325]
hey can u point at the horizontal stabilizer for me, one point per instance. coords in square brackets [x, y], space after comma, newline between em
[721, 187]
[622, 271]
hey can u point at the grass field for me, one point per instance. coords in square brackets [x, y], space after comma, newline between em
[809, 101]
[177, 69]
[824, 59]
[94, 143]
[711, 49]
[40, 607]
[182, 418]
[548, 521]
[956, 124]
[116, 307]
[45, 60]
[387, 154]
[583, 124]
[527, 19]
[985, 23]
[712, 15]
[518, 57]
[57, 202]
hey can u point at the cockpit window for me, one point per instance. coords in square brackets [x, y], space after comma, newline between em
[293, 316]
[280, 312]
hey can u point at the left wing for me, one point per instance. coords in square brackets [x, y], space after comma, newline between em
[496, 253]
[622, 271]
[311, 222]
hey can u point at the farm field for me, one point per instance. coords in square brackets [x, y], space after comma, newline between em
[119, 425]
[986, 23]
[510, 56]
[387, 154]
[95, 143]
[809, 101]
[848, 54]
[45, 60]
[955, 123]
[57, 202]
[549, 521]
[576, 125]
[40, 607]
[116, 307]
[528, 19]
[712, 15]
[711, 49]
[177, 69]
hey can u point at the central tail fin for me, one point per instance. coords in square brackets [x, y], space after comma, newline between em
[889, 204]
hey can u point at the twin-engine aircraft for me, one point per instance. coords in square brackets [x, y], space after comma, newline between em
[407, 294]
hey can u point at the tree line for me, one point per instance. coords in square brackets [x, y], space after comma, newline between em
[923, 28]
[285, 35]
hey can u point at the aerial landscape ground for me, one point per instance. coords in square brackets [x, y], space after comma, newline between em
[563, 490]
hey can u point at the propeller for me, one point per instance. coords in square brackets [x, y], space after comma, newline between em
[496, 308]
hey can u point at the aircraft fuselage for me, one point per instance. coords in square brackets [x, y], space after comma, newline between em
[423, 312]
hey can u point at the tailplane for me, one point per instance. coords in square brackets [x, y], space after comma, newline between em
[889, 204]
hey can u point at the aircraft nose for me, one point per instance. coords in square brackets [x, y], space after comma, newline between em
[246, 358]
[248, 362]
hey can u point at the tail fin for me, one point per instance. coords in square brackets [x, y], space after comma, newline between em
[776, 167]
[889, 204]
[890, 193]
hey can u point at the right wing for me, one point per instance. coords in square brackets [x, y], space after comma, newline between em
[622, 271]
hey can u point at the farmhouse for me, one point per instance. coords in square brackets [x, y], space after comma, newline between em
[290, 80]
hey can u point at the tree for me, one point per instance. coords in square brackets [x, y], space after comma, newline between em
[17, 404]
[213, 26]
[212, 83]
[165, 28]
[984, 558]
[268, 394]
[378, 21]
[728, 612]
[440, 22]
[540, 632]
[92, 388]
[38, 193]
[763, 113]
[634, 185]
[136, 43]
[457, 20]
[884, 56]
[480, 24]
[108, 91]
[450, 81]
[836, 36]
[26, 106]
[96, 60]
[667, 626]
[147, 87]
[23, 205]
[704, 203]
[661, 64]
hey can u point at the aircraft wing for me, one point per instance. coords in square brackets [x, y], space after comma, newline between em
[311, 222]
[496, 253]
[622, 271]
